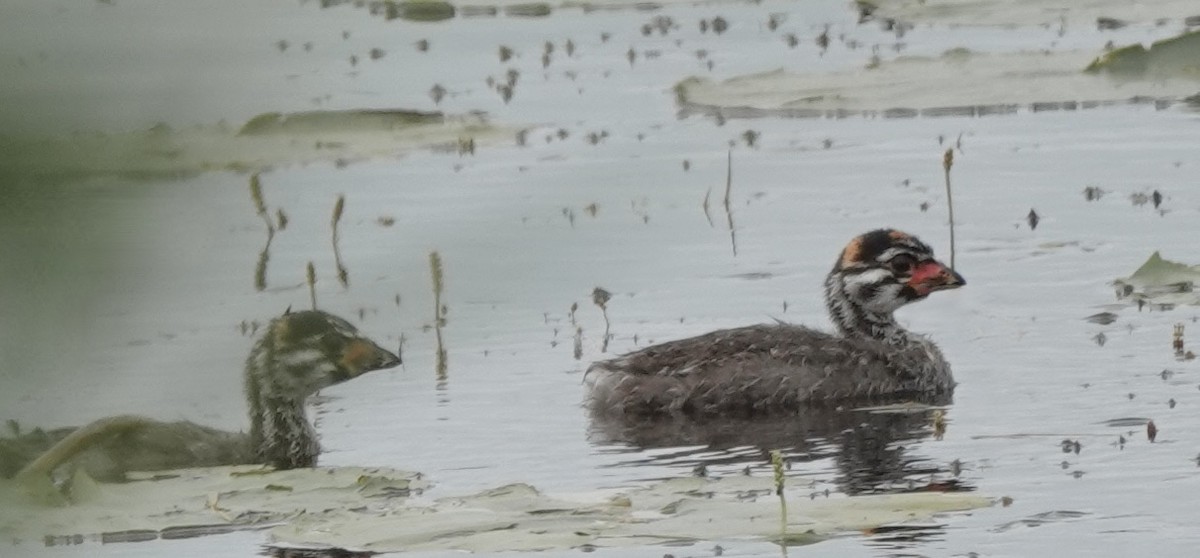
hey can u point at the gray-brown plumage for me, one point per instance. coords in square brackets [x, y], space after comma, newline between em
[298, 354]
[782, 367]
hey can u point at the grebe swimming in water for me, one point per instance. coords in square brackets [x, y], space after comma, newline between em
[781, 367]
[298, 354]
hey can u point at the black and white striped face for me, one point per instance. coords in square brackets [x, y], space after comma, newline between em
[311, 350]
[885, 269]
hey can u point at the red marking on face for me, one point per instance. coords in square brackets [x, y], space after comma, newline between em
[929, 276]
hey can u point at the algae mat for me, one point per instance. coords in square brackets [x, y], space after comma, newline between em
[383, 511]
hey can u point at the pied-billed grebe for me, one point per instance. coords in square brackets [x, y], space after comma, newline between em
[781, 367]
[298, 354]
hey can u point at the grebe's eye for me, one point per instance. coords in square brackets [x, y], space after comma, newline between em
[902, 264]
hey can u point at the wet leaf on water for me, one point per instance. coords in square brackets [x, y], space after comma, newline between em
[1156, 198]
[1151, 431]
[1033, 219]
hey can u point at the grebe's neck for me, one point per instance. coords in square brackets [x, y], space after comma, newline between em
[280, 434]
[853, 321]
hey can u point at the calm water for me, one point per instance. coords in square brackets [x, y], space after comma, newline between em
[141, 312]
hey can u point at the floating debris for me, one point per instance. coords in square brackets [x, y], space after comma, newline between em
[600, 297]
[719, 25]
[751, 137]
[1033, 219]
[422, 45]
[1093, 193]
[1151, 431]
[1103, 318]
[437, 93]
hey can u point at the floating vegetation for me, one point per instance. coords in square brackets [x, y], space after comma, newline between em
[1160, 283]
[1174, 57]
[418, 10]
[535, 9]
[354, 507]
[337, 121]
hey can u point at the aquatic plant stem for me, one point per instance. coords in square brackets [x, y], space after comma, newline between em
[439, 315]
[777, 467]
[947, 162]
[342, 275]
[728, 206]
[311, 277]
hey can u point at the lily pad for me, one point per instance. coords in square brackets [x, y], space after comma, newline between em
[1161, 282]
[381, 510]
[1175, 57]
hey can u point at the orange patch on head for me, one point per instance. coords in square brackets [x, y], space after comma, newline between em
[356, 354]
[853, 252]
[897, 235]
[279, 330]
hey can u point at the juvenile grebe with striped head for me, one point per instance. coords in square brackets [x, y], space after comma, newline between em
[782, 367]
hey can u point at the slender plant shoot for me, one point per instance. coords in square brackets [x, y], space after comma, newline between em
[342, 275]
[947, 162]
[439, 315]
[311, 275]
[777, 467]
